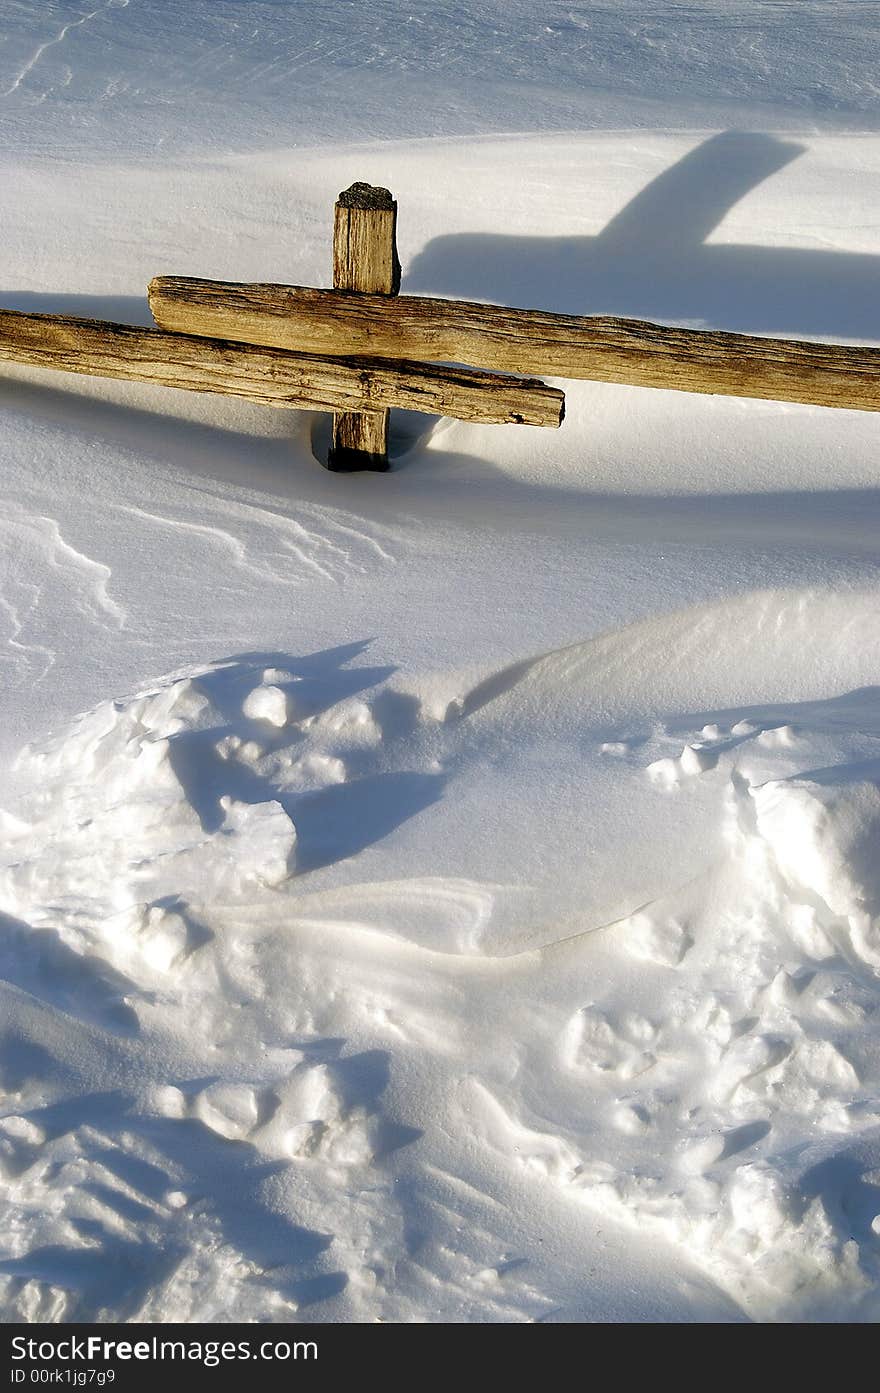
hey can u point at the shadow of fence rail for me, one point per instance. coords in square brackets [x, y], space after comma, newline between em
[361, 348]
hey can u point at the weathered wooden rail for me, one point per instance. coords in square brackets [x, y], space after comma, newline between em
[271, 376]
[596, 348]
[361, 348]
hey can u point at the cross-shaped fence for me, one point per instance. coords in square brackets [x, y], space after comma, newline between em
[362, 348]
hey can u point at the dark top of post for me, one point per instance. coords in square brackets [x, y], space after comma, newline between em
[366, 196]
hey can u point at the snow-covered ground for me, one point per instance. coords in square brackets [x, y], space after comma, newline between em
[454, 894]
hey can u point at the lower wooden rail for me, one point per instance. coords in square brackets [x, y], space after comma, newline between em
[271, 376]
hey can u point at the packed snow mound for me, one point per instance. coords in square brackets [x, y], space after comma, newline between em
[703, 1065]
[824, 830]
[745, 1064]
[134, 795]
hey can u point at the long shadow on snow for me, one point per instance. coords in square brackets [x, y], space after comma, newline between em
[856, 711]
[119, 309]
[320, 679]
[852, 1200]
[125, 1188]
[471, 488]
[851, 713]
[653, 260]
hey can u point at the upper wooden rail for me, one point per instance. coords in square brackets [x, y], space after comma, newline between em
[527, 341]
[271, 376]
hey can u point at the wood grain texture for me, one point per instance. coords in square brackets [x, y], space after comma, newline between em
[597, 348]
[364, 260]
[269, 376]
[365, 241]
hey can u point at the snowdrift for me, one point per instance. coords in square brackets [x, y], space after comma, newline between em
[703, 1064]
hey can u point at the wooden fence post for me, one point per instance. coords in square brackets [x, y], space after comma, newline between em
[365, 260]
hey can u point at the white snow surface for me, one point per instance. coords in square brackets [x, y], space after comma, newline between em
[449, 895]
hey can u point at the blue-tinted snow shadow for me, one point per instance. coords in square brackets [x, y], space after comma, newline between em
[319, 680]
[847, 716]
[847, 1186]
[334, 822]
[119, 309]
[285, 470]
[653, 259]
[856, 711]
[342, 820]
[127, 1237]
[107, 1265]
[37, 961]
[467, 489]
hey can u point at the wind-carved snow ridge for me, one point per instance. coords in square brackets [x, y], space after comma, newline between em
[67, 578]
[289, 550]
[30, 661]
[737, 1084]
